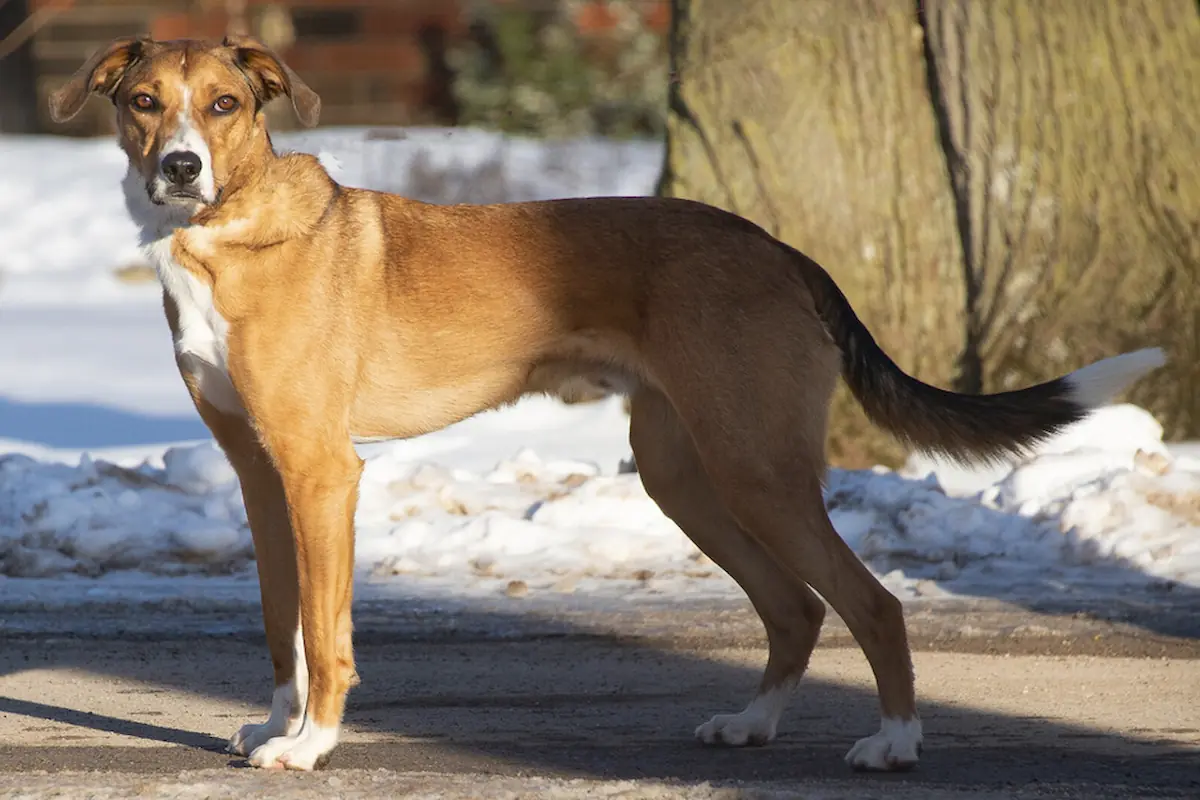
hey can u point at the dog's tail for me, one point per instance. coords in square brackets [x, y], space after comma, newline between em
[962, 426]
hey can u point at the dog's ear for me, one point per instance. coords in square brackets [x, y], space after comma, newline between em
[100, 74]
[270, 77]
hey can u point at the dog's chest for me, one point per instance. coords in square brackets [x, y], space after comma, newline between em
[201, 335]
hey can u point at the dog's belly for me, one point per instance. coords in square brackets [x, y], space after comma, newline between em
[399, 410]
[574, 380]
[391, 407]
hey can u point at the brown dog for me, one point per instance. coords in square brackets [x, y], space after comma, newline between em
[307, 315]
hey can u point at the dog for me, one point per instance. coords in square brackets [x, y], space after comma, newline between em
[308, 316]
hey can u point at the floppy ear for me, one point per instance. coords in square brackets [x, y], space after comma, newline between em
[101, 74]
[270, 77]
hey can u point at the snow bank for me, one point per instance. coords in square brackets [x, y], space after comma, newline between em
[97, 517]
[64, 215]
[1099, 498]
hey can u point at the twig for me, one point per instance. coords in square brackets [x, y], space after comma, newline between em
[31, 25]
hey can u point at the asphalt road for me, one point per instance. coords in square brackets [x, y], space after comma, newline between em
[519, 702]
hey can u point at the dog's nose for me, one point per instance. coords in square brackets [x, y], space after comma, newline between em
[181, 168]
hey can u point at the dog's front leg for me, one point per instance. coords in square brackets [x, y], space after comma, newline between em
[320, 480]
[275, 558]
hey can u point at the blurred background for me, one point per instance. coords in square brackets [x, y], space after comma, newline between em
[1005, 189]
[544, 67]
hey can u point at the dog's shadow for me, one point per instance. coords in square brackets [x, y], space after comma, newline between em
[491, 692]
[110, 724]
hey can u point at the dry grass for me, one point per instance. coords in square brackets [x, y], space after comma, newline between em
[135, 273]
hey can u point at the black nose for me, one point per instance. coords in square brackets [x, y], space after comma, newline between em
[181, 168]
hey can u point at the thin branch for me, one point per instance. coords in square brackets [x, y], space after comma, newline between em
[30, 26]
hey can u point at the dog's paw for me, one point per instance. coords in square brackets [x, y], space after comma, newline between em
[252, 736]
[281, 722]
[896, 747]
[735, 730]
[754, 727]
[307, 750]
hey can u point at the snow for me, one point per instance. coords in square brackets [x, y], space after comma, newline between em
[1105, 494]
[1102, 511]
[107, 474]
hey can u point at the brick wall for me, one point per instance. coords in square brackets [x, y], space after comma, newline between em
[374, 62]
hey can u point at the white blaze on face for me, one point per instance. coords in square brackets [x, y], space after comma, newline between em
[187, 138]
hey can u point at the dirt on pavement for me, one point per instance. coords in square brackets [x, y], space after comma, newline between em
[1014, 704]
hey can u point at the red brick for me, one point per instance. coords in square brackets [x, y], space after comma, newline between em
[189, 26]
[330, 84]
[657, 16]
[354, 4]
[595, 17]
[390, 88]
[408, 20]
[405, 112]
[400, 57]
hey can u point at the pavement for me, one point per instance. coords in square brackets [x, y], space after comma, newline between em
[512, 698]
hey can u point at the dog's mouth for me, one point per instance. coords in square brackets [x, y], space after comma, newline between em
[182, 194]
[174, 195]
[179, 196]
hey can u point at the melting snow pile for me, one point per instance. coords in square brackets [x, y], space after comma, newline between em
[1115, 510]
[97, 517]
[1106, 501]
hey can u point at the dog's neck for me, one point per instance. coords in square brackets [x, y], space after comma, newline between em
[268, 200]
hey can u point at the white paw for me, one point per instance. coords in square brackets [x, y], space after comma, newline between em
[755, 726]
[896, 747]
[251, 736]
[307, 750]
[735, 730]
[281, 722]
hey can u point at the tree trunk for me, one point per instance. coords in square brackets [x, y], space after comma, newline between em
[1070, 130]
[1005, 190]
[18, 100]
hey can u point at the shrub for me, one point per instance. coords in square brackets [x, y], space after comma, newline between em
[537, 71]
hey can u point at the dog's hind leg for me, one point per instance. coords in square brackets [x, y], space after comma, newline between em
[758, 421]
[790, 612]
[275, 557]
[790, 519]
[769, 478]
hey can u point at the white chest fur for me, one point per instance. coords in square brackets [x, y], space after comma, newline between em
[201, 338]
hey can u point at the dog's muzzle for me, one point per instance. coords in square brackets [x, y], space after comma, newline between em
[179, 180]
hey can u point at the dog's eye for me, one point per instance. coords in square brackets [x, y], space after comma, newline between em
[144, 102]
[225, 103]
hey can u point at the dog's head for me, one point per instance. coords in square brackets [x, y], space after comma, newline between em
[188, 112]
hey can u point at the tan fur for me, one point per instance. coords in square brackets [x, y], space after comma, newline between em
[359, 314]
